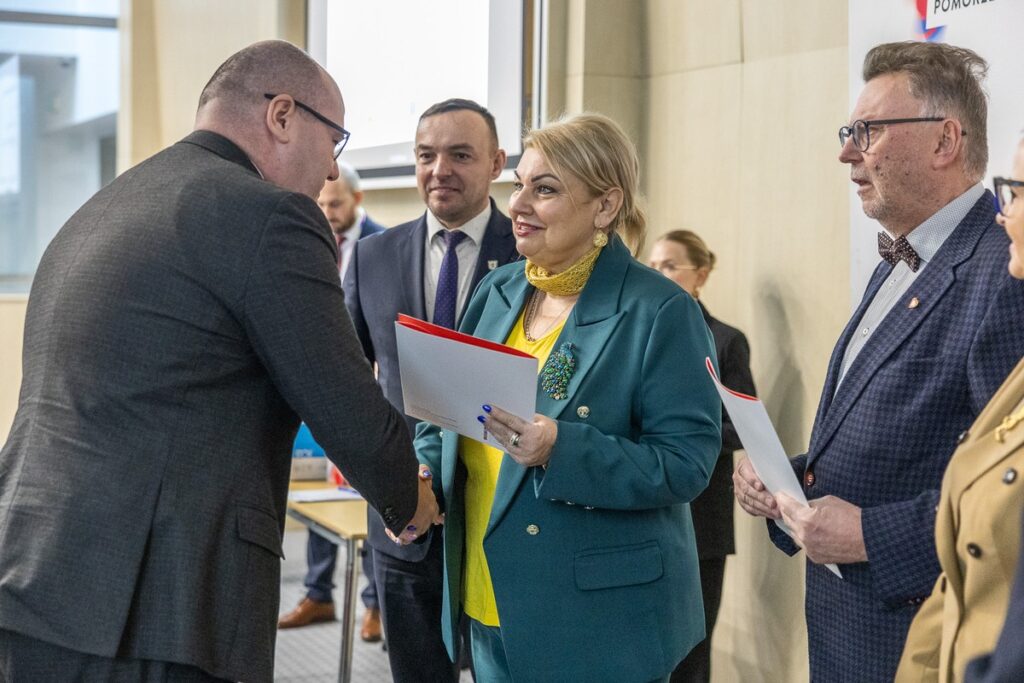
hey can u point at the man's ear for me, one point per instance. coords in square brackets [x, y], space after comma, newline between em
[498, 163]
[280, 118]
[950, 146]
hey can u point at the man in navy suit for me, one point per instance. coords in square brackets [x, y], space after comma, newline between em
[341, 201]
[427, 268]
[940, 326]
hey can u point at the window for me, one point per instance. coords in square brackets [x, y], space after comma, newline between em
[59, 92]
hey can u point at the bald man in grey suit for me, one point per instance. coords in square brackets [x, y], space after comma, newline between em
[179, 325]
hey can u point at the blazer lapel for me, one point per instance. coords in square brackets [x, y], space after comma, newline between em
[991, 452]
[412, 278]
[900, 322]
[589, 327]
[497, 248]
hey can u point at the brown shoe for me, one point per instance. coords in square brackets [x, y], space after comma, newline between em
[308, 612]
[370, 632]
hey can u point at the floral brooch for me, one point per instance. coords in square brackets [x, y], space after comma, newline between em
[557, 371]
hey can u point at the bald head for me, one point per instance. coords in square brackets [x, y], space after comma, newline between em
[270, 66]
[289, 144]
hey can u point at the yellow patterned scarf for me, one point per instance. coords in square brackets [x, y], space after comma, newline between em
[570, 281]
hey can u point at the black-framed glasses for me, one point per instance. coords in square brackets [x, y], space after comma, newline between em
[345, 135]
[860, 131]
[1005, 192]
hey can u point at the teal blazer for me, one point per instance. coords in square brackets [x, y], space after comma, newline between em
[593, 560]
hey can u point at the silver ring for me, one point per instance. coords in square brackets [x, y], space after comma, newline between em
[513, 440]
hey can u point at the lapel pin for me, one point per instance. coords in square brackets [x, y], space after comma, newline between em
[491, 265]
[914, 303]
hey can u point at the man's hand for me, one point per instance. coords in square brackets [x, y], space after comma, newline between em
[828, 531]
[427, 512]
[751, 493]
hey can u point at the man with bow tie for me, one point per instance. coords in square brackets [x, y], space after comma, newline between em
[939, 327]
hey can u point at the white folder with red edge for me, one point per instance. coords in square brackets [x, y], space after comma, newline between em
[762, 444]
[448, 376]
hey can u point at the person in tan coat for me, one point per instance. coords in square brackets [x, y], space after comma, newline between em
[978, 525]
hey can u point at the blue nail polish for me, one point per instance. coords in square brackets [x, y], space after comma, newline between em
[411, 527]
[426, 474]
[481, 418]
[487, 409]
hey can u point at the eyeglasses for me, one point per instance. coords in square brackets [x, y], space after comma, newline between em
[1005, 194]
[345, 135]
[860, 131]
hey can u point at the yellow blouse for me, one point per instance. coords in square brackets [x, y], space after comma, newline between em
[482, 464]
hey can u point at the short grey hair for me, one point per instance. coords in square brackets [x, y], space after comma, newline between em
[949, 80]
[348, 173]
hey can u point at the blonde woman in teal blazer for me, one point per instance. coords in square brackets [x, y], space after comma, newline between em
[589, 542]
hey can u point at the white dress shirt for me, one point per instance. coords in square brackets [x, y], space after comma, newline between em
[468, 251]
[926, 239]
[349, 245]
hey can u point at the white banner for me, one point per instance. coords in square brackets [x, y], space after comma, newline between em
[992, 28]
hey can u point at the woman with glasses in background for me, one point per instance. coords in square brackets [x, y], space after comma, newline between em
[978, 524]
[683, 257]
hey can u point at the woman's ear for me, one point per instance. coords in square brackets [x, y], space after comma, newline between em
[608, 207]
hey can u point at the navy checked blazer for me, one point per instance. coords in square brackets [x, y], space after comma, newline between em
[882, 441]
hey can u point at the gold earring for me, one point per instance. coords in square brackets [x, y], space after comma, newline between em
[600, 239]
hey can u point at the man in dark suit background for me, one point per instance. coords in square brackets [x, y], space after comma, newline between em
[939, 328]
[179, 325]
[341, 201]
[427, 268]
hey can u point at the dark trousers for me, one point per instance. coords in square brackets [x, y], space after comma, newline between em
[24, 659]
[696, 668]
[410, 595]
[321, 559]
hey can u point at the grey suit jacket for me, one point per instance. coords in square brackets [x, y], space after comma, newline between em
[385, 278]
[178, 326]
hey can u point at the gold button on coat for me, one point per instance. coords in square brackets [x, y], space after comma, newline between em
[533, 529]
[583, 412]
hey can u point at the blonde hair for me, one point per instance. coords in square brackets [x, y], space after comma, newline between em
[596, 150]
[696, 249]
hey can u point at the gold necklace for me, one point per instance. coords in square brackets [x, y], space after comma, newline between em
[531, 311]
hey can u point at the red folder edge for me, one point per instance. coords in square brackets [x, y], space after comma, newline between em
[438, 331]
[711, 371]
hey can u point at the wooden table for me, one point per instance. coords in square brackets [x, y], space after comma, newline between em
[343, 523]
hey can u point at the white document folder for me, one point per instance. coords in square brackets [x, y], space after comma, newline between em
[448, 376]
[762, 444]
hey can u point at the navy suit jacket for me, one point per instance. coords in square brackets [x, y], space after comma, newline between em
[385, 278]
[370, 227]
[882, 441]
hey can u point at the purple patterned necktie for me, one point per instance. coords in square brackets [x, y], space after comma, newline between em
[448, 280]
[894, 251]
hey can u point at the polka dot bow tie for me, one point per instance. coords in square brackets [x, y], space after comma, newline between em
[894, 251]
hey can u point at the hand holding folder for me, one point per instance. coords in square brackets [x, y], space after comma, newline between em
[763, 447]
[447, 376]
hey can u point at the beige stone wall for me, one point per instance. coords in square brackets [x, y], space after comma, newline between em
[12, 323]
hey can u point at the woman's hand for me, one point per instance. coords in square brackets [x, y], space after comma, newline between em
[529, 443]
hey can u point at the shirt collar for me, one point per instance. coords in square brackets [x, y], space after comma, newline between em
[929, 236]
[352, 234]
[474, 227]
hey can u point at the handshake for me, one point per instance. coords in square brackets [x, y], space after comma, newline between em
[427, 511]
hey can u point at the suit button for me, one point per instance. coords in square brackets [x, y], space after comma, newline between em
[963, 437]
[533, 529]
[583, 412]
[1010, 476]
[808, 479]
[974, 550]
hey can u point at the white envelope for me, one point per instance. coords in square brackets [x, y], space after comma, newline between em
[448, 376]
[762, 444]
